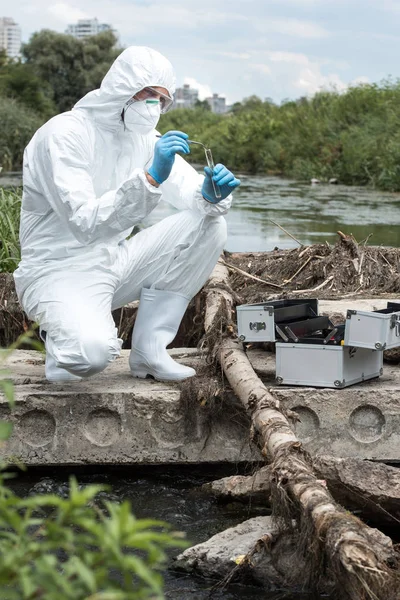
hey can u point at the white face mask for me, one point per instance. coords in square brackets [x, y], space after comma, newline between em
[142, 116]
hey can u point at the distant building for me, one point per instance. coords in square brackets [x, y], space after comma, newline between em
[217, 104]
[10, 37]
[185, 97]
[86, 27]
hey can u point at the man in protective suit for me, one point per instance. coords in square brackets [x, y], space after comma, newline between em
[90, 175]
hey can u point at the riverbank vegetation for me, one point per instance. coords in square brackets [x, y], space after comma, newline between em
[351, 136]
[10, 251]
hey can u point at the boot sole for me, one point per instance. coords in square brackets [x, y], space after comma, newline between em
[147, 375]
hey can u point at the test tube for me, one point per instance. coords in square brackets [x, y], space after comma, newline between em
[210, 163]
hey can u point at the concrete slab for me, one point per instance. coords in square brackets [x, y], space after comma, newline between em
[362, 420]
[113, 418]
[116, 419]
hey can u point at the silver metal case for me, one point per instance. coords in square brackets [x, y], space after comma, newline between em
[326, 366]
[378, 329]
[256, 322]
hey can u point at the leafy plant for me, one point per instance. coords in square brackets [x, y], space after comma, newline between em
[75, 548]
[71, 549]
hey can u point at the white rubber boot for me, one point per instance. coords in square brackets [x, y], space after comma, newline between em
[159, 315]
[56, 374]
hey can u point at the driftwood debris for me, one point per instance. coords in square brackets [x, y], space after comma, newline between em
[342, 270]
[335, 542]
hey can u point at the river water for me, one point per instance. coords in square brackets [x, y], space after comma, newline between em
[311, 213]
[172, 495]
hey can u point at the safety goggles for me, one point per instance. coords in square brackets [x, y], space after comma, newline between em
[150, 95]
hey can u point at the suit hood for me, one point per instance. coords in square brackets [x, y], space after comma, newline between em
[135, 68]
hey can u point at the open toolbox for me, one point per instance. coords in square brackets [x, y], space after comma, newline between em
[311, 350]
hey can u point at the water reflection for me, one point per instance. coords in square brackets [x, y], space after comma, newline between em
[312, 214]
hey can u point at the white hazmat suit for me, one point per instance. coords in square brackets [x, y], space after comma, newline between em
[84, 190]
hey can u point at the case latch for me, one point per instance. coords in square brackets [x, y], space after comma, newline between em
[257, 326]
[395, 323]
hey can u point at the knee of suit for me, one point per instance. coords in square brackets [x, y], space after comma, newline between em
[93, 356]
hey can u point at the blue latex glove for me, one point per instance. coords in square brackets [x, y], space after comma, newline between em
[225, 180]
[164, 154]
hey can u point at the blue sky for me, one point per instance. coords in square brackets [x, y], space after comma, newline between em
[271, 48]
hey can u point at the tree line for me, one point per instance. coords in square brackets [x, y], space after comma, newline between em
[352, 136]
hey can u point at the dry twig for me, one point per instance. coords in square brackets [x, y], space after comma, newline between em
[245, 274]
[287, 233]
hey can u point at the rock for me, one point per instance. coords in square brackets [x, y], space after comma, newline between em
[333, 181]
[315, 181]
[273, 563]
[241, 487]
[218, 556]
[373, 489]
[115, 418]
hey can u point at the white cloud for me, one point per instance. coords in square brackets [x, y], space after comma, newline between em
[310, 80]
[362, 80]
[289, 57]
[236, 55]
[132, 18]
[204, 90]
[261, 68]
[244, 48]
[304, 74]
[65, 13]
[297, 72]
[393, 5]
[292, 27]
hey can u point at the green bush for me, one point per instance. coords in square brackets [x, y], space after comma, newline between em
[73, 549]
[352, 136]
[19, 82]
[17, 125]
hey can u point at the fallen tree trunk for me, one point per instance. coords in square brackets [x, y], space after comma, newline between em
[335, 543]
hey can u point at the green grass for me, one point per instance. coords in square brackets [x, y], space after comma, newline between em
[10, 253]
